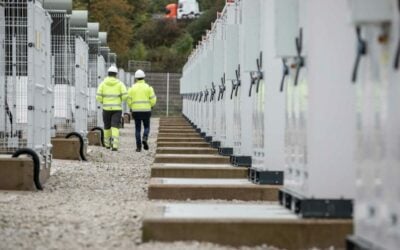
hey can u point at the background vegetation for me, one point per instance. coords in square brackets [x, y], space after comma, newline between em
[136, 31]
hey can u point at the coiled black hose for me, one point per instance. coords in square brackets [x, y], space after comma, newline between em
[81, 142]
[36, 164]
[101, 134]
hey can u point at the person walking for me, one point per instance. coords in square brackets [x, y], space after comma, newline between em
[111, 93]
[141, 100]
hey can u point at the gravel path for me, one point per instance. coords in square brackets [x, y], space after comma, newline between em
[97, 204]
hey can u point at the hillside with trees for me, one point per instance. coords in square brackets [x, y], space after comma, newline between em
[136, 31]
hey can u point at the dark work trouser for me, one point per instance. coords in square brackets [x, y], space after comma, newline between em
[112, 121]
[141, 117]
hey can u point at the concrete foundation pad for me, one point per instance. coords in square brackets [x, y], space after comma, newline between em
[186, 150]
[197, 171]
[183, 139]
[206, 189]
[17, 173]
[182, 126]
[94, 138]
[191, 158]
[243, 224]
[175, 131]
[66, 149]
[179, 135]
[183, 144]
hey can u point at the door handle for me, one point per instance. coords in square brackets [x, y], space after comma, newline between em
[361, 51]
[285, 73]
[299, 59]
[256, 76]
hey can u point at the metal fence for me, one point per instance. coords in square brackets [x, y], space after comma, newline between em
[166, 87]
[26, 90]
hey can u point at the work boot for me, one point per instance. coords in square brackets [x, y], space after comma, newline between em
[138, 148]
[114, 149]
[145, 145]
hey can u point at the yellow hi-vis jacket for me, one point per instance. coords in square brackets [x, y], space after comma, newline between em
[111, 93]
[141, 97]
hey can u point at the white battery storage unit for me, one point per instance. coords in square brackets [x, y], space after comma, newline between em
[278, 29]
[209, 88]
[377, 209]
[249, 13]
[219, 86]
[319, 180]
[231, 62]
[26, 91]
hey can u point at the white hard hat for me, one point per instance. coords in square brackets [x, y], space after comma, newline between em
[139, 74]
[113, 69]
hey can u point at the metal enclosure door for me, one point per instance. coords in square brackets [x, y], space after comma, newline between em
[39, 78]
[274, 99]
[2, 74]
[248, 53]
[377, 149]
[81, 86]
[318, 104]
[92, 103]
[101, 74]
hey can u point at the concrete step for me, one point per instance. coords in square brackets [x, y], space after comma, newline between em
[184, 139]
[207, 189]
[186, 150]
[184, 144]
[177, 135]
[243, 224]
[177, 125]
[191, 158]
[174, 131]
[179, 170]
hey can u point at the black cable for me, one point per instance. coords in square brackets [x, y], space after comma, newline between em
[10, 117]
[81, 142]
[36, 164]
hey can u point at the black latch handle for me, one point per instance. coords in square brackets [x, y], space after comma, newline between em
[285, 73]
[238, 81]
[233, 88]
[361, 51]
[300, 59]
[397, 56]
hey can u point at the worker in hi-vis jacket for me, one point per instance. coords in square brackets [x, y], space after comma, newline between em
[141, 100]
[111, 93]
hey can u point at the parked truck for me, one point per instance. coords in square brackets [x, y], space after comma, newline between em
[184, 9]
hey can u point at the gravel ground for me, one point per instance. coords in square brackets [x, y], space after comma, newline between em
[97, 204]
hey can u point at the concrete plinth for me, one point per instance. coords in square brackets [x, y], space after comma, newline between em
[191, 158]
[243, 224]
[94, 138]
[176, 170]
[67, 149]
[17, 173]
[183, 144]
[169, 139]
[187, 150]
[206, 189]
